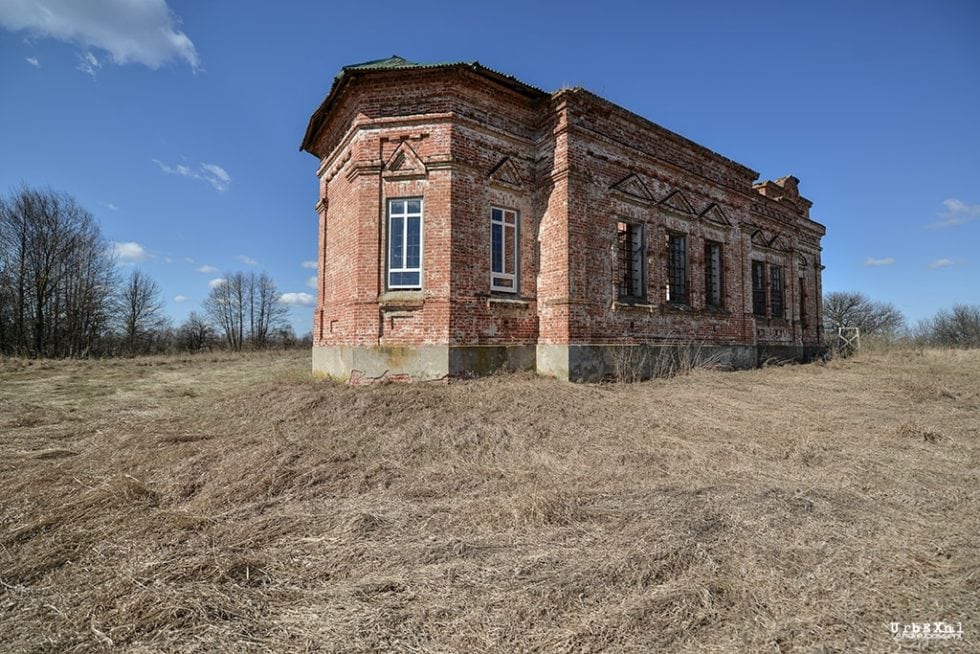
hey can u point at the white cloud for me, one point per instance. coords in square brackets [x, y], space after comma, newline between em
[213, 174]
[215, 283]
[33, 61]
[206, 269]
[886, 261]
[311, 282]
[957, 213]
[941, 263]
[110, 206]
[88, 64]
[130, 252]
[298, 299]
[168, 259]
[248, 261]
[188, 260]
[309, 264]
[181, 298]
[130, 31]
[217, 176]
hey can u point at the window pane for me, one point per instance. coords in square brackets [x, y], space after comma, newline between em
[414, 206]
[503, 282]
[397, 206]
[497, 214]
[510, 217]
[414, 254]
[497, 247]
[397, 254]
[404, 279]
[509, 232]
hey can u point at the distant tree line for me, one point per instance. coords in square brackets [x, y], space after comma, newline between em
[62, 293]
[957, 327]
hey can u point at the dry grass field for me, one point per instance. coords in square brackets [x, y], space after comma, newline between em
[227, 504]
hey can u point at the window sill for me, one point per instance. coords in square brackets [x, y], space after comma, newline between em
[679, 307]
[507, 302]
[620, 305]
[401, 300]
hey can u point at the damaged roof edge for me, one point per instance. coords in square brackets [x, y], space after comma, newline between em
[396, 63]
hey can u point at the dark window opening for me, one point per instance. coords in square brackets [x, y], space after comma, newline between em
[629, 244]
[677, 268]
[776, 291]
[802, 303]
[758, 288]
[712, 274]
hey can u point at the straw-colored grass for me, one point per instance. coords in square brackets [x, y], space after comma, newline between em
[226, 504]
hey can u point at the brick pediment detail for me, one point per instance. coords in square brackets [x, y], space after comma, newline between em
[714, 214]
[404, 162]
[506, 172]
[764, 239]
[633, 187]
[676, 201]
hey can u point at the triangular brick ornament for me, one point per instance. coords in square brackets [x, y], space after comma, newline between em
[634, 187]
[403, 162]
[759, 238]
[714, 214]
[776, 242]
[506, 172]
[676, 201]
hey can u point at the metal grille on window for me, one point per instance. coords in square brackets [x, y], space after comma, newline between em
[629, 244]
[802, 303]
[758, 288]
[776, 291]
[712, 274]
[677, 268]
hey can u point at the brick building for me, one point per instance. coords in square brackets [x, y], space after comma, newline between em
[469, 221]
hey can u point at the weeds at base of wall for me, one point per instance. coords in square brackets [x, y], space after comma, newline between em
[635, 363]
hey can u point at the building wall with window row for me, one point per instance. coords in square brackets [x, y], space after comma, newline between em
[470, 222]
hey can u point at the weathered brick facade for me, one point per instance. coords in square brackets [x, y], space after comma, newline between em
[596, 191]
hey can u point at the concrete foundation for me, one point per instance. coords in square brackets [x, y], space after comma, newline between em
[592, 363]
[361, 364]
[579, 363]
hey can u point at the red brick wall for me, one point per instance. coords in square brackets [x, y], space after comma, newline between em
[569, 151]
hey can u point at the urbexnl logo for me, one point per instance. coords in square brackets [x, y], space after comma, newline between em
[940, 630]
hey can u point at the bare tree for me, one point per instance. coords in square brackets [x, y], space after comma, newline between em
[267, 313]
[225, 307]
[246, 309]
[56, 276]
[850, 309]
[140, 312]
[957, 327]
[195, 334]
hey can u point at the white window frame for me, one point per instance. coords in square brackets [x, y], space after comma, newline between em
[404, 216]
[495, 275]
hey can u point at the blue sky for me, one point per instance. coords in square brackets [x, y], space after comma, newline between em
[177, 124]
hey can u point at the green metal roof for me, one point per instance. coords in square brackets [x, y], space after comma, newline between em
[394, 61]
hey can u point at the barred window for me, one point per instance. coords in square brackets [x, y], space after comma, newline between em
[802, 294]
[758, 288]
[776, 291]
[677, 268]
[629, 249]
[712, 274]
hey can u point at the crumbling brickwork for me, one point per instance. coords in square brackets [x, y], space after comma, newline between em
[621, 234]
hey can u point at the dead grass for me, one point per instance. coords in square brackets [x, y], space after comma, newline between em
[209, 504]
